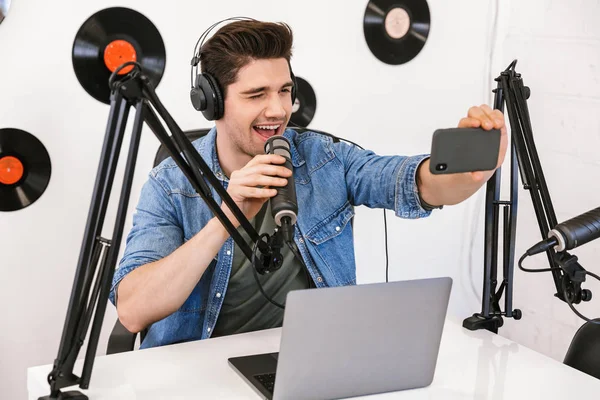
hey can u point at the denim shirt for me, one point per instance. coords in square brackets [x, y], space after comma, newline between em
[331, 178]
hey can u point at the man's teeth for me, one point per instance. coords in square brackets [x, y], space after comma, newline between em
[268, 126]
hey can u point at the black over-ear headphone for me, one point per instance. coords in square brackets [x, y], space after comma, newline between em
[206, 93]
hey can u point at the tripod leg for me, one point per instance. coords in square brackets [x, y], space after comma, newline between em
[109, 268]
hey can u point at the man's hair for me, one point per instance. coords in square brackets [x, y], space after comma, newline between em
[239, 42]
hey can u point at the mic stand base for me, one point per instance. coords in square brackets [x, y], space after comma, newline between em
[70, 395]
[478, 321]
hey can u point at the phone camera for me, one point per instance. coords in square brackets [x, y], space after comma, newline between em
[441, 167]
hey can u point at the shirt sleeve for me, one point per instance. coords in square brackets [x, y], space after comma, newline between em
[382, 181]
[156, 232]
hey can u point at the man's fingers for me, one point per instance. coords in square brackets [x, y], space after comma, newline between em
[481, 115]
[248, 192]
[498, 119]
[261, 180]
[266, 159]
[494, 115]
[265, 169]
[469, 123]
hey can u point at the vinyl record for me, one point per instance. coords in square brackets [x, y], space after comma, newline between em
[24, 169]
[110, 38]
[305, 105]
[396, 30]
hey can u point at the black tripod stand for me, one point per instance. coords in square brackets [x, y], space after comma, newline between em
[134, 89]
[566, 272]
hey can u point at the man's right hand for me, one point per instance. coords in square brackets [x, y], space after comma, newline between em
[252, 185]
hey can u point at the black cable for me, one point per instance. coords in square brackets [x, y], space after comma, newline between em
[524, 256]
[386, 246]
[256, 274]
[384, 214]
[592, 275]
[137, 69]
[294, 249]
[325, 134]
[570, 303]
[564, 286]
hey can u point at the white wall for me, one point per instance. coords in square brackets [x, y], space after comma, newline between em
[390, 109]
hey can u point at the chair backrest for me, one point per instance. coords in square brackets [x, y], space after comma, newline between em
[584, 352]
[192, 135]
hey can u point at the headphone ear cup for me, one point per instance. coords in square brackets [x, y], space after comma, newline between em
[219, 100]
[197, 97]
[208, 95]
[215, 103]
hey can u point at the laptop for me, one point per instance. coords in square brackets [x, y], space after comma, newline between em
[353, 341]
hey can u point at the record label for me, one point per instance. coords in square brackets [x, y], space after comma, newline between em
[24, 169]
[110, 38]
[11, 170]
[117, 53]
[303, 109]
[396, 30]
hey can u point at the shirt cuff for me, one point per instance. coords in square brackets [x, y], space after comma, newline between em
[423, 203]
[407, 199]
[119, 274]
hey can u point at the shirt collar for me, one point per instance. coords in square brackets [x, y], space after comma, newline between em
[207, 148]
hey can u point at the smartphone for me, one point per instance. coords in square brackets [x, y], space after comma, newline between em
[456, 150]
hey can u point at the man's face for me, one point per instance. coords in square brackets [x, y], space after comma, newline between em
[257, 106]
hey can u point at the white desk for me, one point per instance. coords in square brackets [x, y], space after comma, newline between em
[471, 365]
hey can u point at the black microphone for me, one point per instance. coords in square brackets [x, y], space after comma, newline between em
[571, 233]
[284, 206]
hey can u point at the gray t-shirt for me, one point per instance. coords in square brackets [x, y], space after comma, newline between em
[244, 308]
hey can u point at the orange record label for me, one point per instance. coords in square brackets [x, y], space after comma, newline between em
[117, 53]
[11, 170]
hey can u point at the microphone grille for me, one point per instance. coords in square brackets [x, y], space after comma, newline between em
[278, 145]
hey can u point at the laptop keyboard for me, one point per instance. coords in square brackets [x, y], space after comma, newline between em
[267, 380]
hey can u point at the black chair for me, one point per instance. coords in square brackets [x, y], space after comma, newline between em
[120, 339]
[584, 352]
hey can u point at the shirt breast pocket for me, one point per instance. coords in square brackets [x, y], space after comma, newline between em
[332, 226]
[332, 247]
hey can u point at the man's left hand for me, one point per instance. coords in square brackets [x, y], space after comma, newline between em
[488, 119]
[449, 189]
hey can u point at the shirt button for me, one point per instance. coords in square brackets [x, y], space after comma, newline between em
[319, 279]
[337, 228]
[218, 294]
[208, 330]
[301, 240]
[228, 252]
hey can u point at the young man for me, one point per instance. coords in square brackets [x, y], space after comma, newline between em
[182, 274]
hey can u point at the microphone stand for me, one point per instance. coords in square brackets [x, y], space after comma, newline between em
[134, 89]
[566, 272]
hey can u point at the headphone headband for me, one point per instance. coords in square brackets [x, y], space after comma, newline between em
[198, 47]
